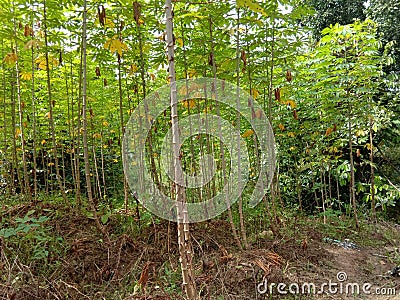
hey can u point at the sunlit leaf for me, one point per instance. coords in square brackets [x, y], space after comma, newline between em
[26, 75]
[41, 62]
[252, 6]
[179, 41]
[115, 45]
[361, 132]
[291, 103]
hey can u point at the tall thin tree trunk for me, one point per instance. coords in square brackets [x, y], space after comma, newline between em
[352, 177]
[275, 182]
[77, 148]
[5, 127]
[352, 188]
[241, 216]
[27, 192]
[15, 171]
[50, 100]
[85, 136]
[371, 157]
[221, 144]
[122, 122]
[34, 153]
[185, 249]
[323, 195]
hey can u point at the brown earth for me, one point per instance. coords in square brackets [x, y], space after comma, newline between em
[145, 265]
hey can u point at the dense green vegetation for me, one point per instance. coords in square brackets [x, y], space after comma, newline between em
[326, 74]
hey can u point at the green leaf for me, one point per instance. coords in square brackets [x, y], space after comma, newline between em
[252, 6]
[104, 219]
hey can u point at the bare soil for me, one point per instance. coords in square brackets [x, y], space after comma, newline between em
[145, 264]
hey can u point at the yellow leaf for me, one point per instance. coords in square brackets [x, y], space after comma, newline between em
[248, 133]
[254, 93]
[133, 69]
[115, 45]
[17, 132]
[47, 115]
[192, 73]
[26, 75]
[43, 142]
[291, 134]
[50, 164]
[179, 41]
[328, 131]
[281, 127]
[333, 149]
[96, 135]
[108, 23]
[251, 5]
[189, 103]
[360, 132]
[41, 62]
[105, 124]
[10, 58]
[291, 103]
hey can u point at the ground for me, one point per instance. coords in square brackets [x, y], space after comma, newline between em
[142, 263]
